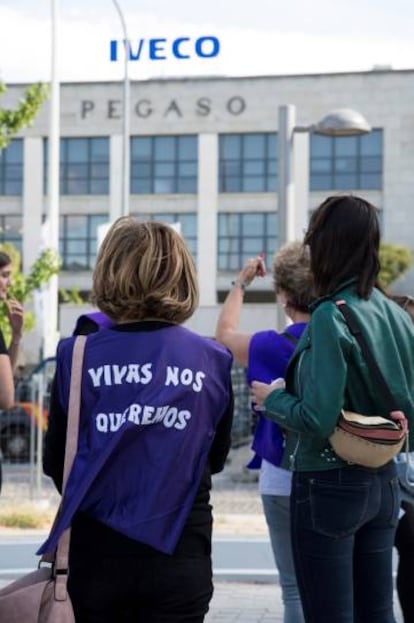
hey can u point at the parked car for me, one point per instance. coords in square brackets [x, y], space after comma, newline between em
[16, 425]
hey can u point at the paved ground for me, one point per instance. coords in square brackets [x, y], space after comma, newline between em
[237, 511]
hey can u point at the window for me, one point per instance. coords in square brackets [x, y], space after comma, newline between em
[346, 162]
[247, 163]
[84, 166]
[243, 235]
[188, 226]
[163, 164]
[11, 168]
[11, 227]
[78, 238]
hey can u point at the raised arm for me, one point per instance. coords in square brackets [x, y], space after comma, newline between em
[228, 323]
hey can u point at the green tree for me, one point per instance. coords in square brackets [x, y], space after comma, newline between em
[12, 120]
[395, 262]
[47, 264]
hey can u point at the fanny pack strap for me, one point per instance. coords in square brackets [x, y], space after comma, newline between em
[352, 323]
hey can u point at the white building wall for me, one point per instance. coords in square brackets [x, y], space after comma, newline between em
[208, 107]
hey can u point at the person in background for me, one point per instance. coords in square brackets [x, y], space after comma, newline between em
[404, 537]
[8, 357]
[344, 516]
[155, 423]
[13, 307]
[265, 354]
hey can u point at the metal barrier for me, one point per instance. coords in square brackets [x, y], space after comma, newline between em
[242, 421]
[21, 435]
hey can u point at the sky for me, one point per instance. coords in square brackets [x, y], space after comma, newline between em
[256, 37]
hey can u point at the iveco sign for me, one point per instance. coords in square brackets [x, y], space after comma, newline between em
[162, 49]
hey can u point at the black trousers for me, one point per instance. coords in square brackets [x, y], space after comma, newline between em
[155, 589]
[404, 542]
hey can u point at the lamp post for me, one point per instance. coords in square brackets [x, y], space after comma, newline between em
[340, 122]
[50, 325]
[125, 127]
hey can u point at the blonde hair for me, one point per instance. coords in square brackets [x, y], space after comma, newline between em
[292, 274]
[144, 270]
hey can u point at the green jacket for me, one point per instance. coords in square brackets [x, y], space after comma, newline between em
[328, 372]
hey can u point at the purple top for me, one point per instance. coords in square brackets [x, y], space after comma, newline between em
[150, 406]
[269, 354]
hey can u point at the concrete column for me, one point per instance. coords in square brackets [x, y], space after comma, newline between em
[207, 218]
[32, 200]
[286, 180]
[115, 177]
[301, 173]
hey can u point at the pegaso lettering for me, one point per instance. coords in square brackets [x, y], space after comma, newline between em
[145, 108]
[160, 49]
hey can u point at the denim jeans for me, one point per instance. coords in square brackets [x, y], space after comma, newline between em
[343, 528]
[277, 513]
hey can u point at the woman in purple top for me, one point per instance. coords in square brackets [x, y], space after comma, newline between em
[265, 354]
[155, 423]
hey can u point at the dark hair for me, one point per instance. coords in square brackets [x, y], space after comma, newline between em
[5, 259]
[344, 236]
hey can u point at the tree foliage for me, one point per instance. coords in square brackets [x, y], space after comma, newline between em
[12, 120]
[395, 262]
[47, 264]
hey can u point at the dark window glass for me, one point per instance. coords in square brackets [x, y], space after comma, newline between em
[242, 235]
[346, 163]
[11, 230]
[247, 162]
[84, 166]
[11, 168]
[164, 164]
[78, 240]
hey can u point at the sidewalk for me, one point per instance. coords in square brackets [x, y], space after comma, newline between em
[237, 512]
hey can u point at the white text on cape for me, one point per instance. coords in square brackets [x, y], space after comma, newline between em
[113, 374]
[143, 415]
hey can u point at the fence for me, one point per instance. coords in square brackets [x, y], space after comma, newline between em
[22, 429]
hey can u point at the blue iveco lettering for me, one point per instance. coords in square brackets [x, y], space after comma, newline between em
[161, 49]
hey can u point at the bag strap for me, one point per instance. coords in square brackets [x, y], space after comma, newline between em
[383, 387]
[290, 338]
[62, 550]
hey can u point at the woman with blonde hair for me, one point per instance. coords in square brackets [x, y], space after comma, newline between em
[265, 354]
[155, 423]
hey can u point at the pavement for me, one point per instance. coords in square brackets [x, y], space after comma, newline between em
[237, 513]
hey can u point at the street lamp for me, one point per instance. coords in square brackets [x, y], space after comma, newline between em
[125, 127]
[340, 122]
[50, 332]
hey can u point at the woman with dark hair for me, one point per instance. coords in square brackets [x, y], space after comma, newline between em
[344, 516]
[155, 421]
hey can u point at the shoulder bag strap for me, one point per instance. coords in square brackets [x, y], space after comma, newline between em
[290, 338]
[352, 323]
[62, 551]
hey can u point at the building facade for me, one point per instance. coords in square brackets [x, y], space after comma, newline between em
[204, 153]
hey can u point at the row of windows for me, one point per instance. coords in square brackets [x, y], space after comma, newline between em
[168, 164]
[240, 235]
